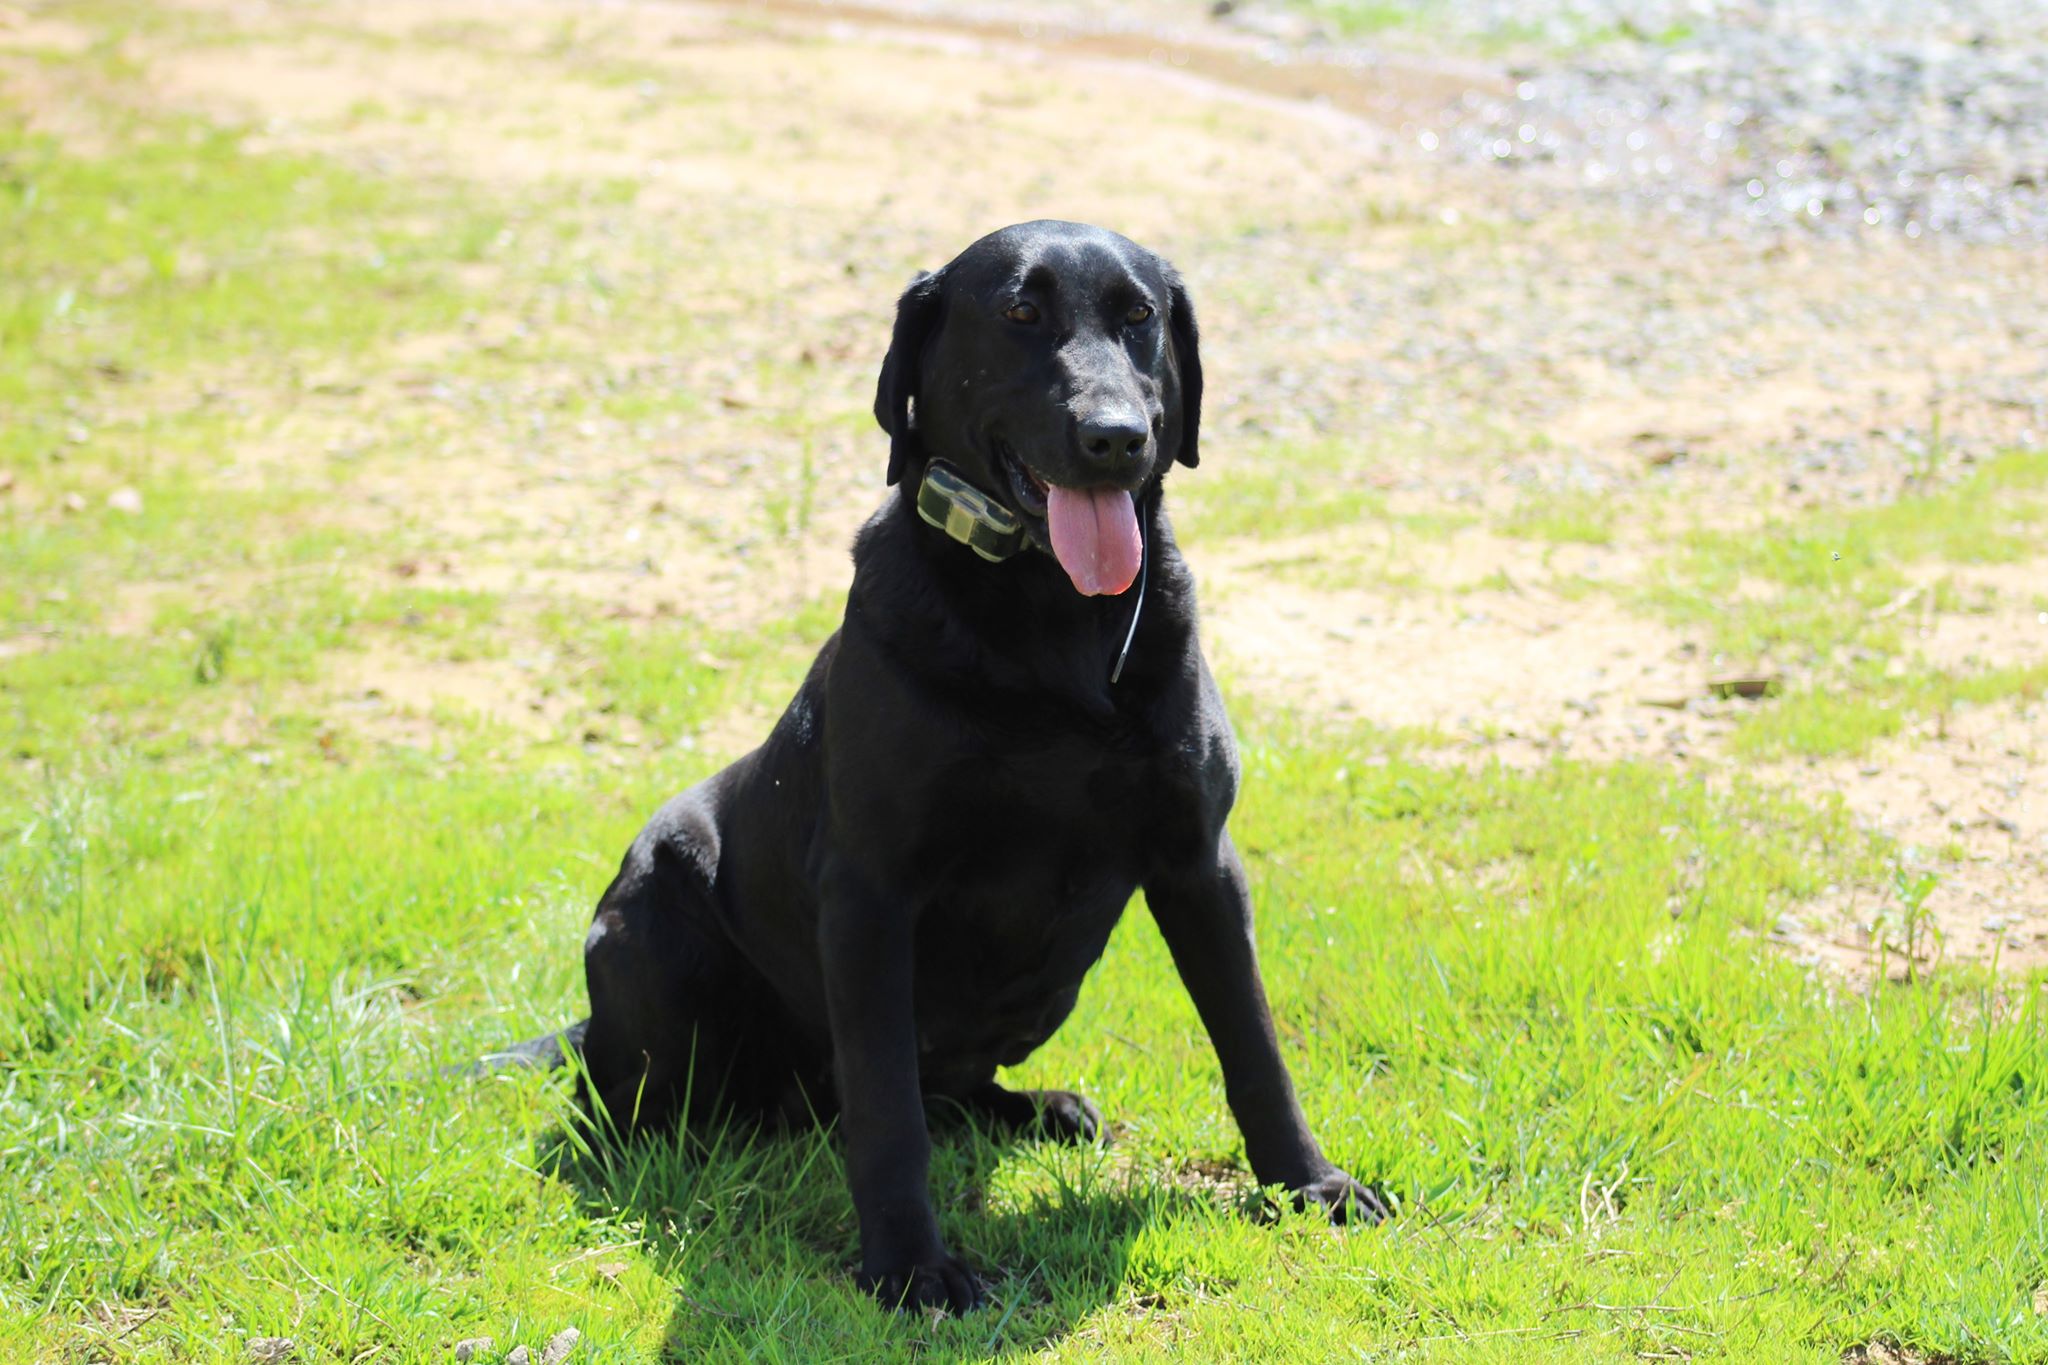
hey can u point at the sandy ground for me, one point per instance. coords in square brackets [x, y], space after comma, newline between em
[762, 179]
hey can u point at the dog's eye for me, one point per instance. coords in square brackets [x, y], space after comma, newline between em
[1141, 313]
[1021, 312]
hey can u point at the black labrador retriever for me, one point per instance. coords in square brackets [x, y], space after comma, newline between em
[902, 889]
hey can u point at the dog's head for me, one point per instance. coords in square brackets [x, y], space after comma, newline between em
[1057, 366]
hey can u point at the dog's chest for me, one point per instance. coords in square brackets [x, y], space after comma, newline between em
[999, 963]
[1037, 856]
[1067, 827]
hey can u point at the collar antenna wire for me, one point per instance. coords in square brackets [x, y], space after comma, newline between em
[1144, 569]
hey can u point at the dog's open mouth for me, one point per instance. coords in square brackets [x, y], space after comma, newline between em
[1094, 531]
[1026, 487]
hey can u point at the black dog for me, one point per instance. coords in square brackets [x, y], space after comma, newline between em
[902, 889]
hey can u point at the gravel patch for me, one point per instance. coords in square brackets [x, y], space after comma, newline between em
[1837, 116]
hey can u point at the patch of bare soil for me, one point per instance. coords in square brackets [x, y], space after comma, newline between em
[391, 694]
[2005, 623]
[1967, 800]
[1884, 1353]
[1517, 676]
[41, 32]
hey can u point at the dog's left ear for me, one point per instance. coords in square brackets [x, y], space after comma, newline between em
[1187, 354]
[917, 316]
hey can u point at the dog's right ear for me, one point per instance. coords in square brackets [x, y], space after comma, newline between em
[917, 317]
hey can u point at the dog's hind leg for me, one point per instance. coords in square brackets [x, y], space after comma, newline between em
[682, 1027]
[1055, 1115]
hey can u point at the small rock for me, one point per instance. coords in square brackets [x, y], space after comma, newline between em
[270, 1349]
[469, 1349]
[125, 500]
[559, 1345]
[1764, 685]
[518, 1356]
[74, 502]
[2000, 822]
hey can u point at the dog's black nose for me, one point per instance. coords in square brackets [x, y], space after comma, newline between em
[1113, 438]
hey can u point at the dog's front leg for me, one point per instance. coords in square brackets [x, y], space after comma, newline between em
[865, 943]
[1205, 913]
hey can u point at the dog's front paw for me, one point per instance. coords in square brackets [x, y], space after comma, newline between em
[1345, 1199]
[935, 1281]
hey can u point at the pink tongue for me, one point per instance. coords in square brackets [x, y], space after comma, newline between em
[1095, 536]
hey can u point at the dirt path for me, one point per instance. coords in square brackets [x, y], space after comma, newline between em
[725, 199]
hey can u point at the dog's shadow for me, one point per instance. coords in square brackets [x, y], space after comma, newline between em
[752, 1230]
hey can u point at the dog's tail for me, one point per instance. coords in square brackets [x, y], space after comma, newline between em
[549, 1052]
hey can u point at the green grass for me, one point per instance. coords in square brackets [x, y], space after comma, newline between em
[229, 991]
[241, 936]
[1295, 489]
[1833, 592]
[180, 245]
[1291, 490]
[1565, 33]
[1824, 583]
[155, 296]
[1564, 518]
[673, 677]
[1849, 716]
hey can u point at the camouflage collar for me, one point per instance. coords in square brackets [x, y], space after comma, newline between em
[948, 501]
